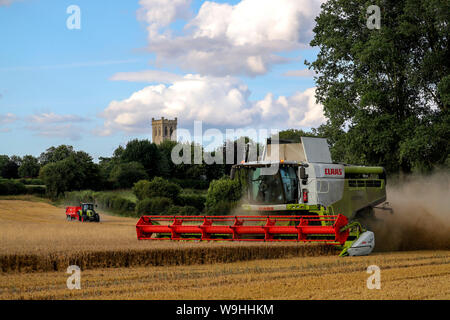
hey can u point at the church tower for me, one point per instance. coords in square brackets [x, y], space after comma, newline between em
[162, 130]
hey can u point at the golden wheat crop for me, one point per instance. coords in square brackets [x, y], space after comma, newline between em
[34, 236]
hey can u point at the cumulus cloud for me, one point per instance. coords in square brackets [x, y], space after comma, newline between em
[53, 125]
[219, 102]
[160, 13]
[224, 39]
[300, 73]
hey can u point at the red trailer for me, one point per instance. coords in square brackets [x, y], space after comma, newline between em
[72, 213]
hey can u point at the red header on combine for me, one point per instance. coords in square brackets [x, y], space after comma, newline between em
[244, 228]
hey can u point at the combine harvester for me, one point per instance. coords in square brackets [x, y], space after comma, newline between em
[295, 193]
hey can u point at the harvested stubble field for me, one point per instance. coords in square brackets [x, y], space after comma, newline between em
[37, 244]
[412, 275]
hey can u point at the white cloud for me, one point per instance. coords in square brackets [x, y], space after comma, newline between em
[160, 13]
[300, 73]
[7, 118]
[147, 76]
[53, 125]
[7, 2]
[228, 40]
[218, 102]
[305, 111]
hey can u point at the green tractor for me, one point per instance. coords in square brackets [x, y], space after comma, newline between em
[87, 213]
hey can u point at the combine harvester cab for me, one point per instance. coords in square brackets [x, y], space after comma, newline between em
[295, 193]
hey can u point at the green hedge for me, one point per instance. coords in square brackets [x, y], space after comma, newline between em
[30, 181]
[158, 187]
[36, 190]
[11, 187]
[191, 183]
[104, 200]
[74, 198]
[153, 206]
[223, 196]
[193, 200]
[183, 211]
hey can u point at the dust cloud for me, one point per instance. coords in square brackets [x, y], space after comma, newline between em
[421, 219]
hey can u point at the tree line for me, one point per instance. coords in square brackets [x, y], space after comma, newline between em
[64, 169]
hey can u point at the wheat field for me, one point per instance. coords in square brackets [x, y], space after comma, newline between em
[37, 245]
[34, 236]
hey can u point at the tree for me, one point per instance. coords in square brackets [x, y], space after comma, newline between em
[124, 175]
[223, 195]
[9, 166]
[10, 170]
[59, 177]
[166, 165]
[381, 89]
[53, 154]
[158, 187]
[144, 152]
[295, 134]
[4, 159]
[77, 171]
[29, 167]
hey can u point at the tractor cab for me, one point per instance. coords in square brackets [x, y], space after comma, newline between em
[85, 207]
[87, 213]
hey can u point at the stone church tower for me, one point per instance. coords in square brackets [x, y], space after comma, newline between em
[162, 130]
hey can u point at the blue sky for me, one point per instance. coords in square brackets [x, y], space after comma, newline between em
[57, 85]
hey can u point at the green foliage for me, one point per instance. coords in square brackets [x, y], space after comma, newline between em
[384, 96]
[9, 169]
[74, 198]
[76, 172]
[121, 204]
[104, 200]
[29, 167]
[193, 200]
[124, 175]
[191, 183]
[153, 206]
[428, 145]
[183, 211]
[4, 159]
[295, 134]
[144, 152]
[36, 190]
[11, 187]
[57, 177]
[33, 182]
[222, 196]
[55, 154]
[158, 187]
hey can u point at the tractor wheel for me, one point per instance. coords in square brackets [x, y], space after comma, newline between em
[97, 218]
